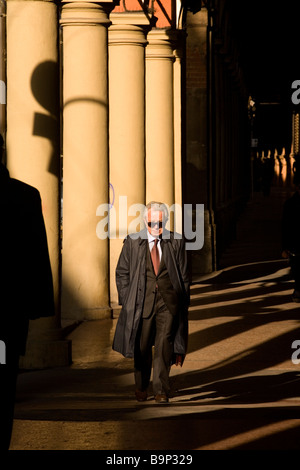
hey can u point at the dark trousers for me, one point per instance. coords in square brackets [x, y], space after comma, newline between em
[8, 381]
[156, 330]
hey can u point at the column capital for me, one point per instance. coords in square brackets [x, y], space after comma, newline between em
[138, 18]
[129, 28]
[104, 3]
[30, 1]
[161, 43]
[80, 13]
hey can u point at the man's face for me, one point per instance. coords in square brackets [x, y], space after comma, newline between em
[155, 222]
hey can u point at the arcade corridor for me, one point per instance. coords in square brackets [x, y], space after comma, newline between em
[181, 101]
[238, 389]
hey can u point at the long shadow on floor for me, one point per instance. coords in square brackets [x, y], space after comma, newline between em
[239, 394]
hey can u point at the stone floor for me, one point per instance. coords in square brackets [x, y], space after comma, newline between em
[239, 388]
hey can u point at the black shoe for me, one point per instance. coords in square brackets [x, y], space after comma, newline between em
[161, 398]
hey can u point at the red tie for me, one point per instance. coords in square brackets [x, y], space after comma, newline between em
[155, 256]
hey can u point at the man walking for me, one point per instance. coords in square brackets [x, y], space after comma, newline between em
[153, 288]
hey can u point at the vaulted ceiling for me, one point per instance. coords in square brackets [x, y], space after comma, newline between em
[268, 34]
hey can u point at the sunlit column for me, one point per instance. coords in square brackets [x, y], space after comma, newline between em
[85, 279]
[3, 68]
[159, 117]
[33, 137]
[178, 133]
[127, 127]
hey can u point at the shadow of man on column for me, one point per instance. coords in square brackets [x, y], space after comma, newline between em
[26, 286]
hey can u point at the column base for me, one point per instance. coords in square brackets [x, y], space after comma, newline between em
[41, 354]
[82, 314]
[97, 313]
[115, 310]
[203, 261]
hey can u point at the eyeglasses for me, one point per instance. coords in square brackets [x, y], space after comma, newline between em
[154, 224]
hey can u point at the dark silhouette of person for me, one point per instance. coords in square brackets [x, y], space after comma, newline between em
[26, 285]
[267, 169]
[154, 294]
[291, 235]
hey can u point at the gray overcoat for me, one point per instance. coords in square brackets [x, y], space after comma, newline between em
[131, 285]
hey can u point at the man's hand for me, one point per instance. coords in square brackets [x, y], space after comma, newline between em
[285, 254]
[178, 361]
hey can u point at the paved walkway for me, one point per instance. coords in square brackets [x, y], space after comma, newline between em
[238, 388]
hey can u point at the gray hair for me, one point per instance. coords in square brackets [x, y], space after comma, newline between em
[157, 206]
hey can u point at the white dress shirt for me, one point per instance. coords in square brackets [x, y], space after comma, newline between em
[151, 243]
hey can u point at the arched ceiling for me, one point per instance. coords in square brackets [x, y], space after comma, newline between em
[267, 33]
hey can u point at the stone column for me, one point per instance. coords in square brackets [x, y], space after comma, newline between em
[159, 117]
[85, 280]
[33, 135]
[178, 132]
[3, 68]
[127, 127]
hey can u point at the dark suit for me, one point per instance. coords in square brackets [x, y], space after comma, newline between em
[154, 308]
[26, 289]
